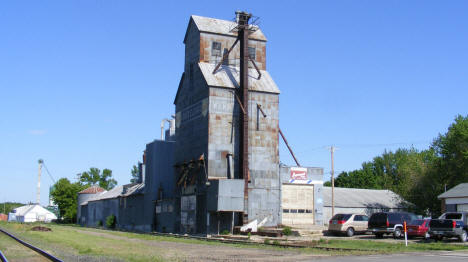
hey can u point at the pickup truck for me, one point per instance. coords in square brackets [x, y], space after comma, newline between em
[451, 224]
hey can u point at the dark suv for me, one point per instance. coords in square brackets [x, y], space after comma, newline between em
[389, 223]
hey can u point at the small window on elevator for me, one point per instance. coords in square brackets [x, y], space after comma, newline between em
[252, 52]
[216, 49]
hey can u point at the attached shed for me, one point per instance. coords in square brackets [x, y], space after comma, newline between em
[361, 201]
[102, 206]
[456, 199]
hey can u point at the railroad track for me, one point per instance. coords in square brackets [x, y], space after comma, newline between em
[291, 244]
[36, 249]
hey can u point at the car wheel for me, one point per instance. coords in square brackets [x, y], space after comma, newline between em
[379, 235]
[463, 236]
[350, 232]
[397, 233]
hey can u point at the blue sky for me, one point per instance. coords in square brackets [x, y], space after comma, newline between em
[86, 83]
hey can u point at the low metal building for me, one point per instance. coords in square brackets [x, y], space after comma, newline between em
[360, 201]
[455, 199]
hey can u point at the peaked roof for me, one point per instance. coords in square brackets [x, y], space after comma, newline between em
[92, 190]
[228, 76]
[460, 190]
[22, 211]
[222, 27]
[357, 197]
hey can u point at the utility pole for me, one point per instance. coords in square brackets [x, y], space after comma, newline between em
[332, 150]
[38, 196]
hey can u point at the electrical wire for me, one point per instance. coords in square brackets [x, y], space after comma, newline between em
[50, 175]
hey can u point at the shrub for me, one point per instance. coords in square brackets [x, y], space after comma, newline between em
[276, 242]
[225, 232]
[266, 241]
[287, 231]
[99, 223]
[110, 221]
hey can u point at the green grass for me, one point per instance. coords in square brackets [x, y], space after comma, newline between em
[70, 241]
[391, 247]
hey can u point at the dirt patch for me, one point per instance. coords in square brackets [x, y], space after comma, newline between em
[41, 228]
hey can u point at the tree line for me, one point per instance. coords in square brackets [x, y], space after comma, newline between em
[418, 176]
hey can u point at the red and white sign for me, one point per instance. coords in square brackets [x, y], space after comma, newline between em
[298, 173]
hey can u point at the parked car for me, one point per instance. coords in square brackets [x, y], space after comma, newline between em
[451, 224]
[419, 228]
[349, 224]
[389, 223]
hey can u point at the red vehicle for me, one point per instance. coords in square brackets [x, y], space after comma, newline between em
[419, 228]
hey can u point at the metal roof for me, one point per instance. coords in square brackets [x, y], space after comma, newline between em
[460, 190]
[113, 193]
[92, 190]
[224, 27]
[356, 197]
[228, 76]
[134, 190]
[118, 191]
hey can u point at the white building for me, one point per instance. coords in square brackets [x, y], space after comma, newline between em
[31, 213]
[456, 199]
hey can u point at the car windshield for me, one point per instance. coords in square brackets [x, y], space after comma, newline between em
[453, 216]
[341, 217]
[417, 222]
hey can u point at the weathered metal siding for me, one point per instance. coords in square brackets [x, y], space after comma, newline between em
[159, 174]
[131, 210]
[206, 40]
[264, 188]
[101, 209]
[191, 131]
[226, 195]
[166, 216]
[82, 198]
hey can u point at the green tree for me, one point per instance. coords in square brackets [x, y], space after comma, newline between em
[95, 177]
[64, 194]
[135, 174]
[6, 207]
[452, 148]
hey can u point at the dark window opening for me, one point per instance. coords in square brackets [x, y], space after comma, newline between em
[308, 211]
[285, 210]
[293, 210]
[301, 211]
[216, 49]
[252, 52]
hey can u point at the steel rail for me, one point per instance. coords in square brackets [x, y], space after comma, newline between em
[299, 244]
[38, 250]
[2, 257]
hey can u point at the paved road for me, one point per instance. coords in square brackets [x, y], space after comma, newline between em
[410, 257]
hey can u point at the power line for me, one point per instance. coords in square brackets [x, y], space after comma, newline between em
[50, 175]
[345, 146]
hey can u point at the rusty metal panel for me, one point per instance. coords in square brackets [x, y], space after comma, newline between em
[226, 195]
